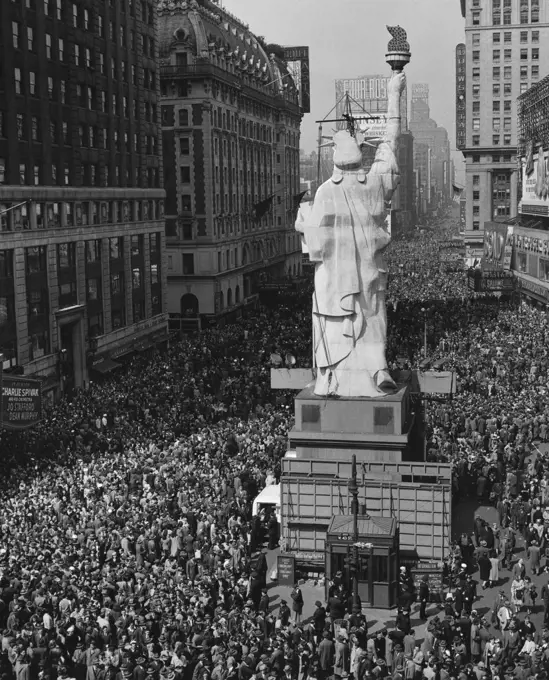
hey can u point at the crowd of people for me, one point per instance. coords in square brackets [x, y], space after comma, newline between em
[128, 549]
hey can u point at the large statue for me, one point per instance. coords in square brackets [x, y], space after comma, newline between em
[344, 232]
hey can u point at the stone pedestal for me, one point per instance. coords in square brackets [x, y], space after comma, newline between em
[372, 428]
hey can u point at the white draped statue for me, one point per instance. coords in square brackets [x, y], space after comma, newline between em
[345, 234]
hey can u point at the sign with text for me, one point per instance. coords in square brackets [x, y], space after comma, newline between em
[21, 402]
[461, 115]
[497, 247]
[285, 566]
[530, 241]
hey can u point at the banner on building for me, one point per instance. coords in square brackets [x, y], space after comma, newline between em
[497, 247]
[535, 182]
[461, 115]
[21, 405]
[297, 61]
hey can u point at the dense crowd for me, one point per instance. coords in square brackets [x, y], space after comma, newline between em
[128, 549]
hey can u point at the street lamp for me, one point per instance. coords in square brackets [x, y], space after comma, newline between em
[353, 491]
[424, 311]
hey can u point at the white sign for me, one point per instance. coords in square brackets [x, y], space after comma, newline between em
[535, 186]
[373, 128]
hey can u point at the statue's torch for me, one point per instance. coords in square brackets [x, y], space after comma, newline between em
[398, 49]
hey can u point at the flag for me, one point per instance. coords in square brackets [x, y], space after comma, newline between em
[297, 200]
[457, 193]
[262, 208]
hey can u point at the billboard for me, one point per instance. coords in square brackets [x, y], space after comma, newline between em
[367, 95]
[297, 61]
[461, 114]
[420, 91]
[21, 402]
[535, 183]
[497, 247]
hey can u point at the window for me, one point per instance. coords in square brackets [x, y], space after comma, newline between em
[188, 264]
[476, 158]
[93, 251]
[495, 106]
[185, 174]
[535, 53]
[36, 175]
[118, 318]
[20, 126]
[476, 140]
[496, 38]
[117, 283]
[507, 55]
[75, 15]
[86, 19]
[496, 123]
[32, 83]
[62, 91]
[496, 87]
[136, 278]
[476, 225]
[183, 117]
[476, 90]
[186, 203]
[495, 55]
[48, 46]
[184, 146]
[524, 37]
[2, 170]
[476, 124]
[35, 135]
[535, 36]
[522, 262]
[496, 73]
[476, 73]
[476, 180]
[524, 72]
[476, 39]
[524, 55]
[507, 140]
[523, 87]
[535, 72]
[476, 210]
[507, 72]
[15, 34]
[507, 89]
[58, 9]
[476, 18]
[476, 55]
[495, 140]
[30, 39]
[17, 76]
[507, 105]
[136, 245]
[116, 247]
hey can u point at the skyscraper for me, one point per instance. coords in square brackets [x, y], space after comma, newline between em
[506, 51]
[82, 278]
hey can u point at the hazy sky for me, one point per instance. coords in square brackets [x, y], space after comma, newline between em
[348, 38]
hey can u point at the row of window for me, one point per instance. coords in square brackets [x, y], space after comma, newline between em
[496, 140]
[507, 72]
[496, 124]
[528, 12]
[54, 9]
[504, 158]
[92, 174]
[525, 37]
[54, 215]
[533, 54]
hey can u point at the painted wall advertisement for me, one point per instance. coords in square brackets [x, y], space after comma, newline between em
[21, 402]
[535, 182]
[497, 247]
[461, 114]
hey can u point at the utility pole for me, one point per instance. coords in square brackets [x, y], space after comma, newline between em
[353, 490]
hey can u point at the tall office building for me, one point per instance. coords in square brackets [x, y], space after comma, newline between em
[506, 51]
[82, 275]
[433, 162]
[231, 126]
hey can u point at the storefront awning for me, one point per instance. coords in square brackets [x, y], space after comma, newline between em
[106, 366]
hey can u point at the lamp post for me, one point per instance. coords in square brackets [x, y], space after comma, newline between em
[353, 491]
[424, 311]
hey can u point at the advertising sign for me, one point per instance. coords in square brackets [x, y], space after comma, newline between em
[21, 402]
[530, 241]
[286, 570]
[497, 247]
[297, 61]
[535, 183]
[372, 128]
[461, 115]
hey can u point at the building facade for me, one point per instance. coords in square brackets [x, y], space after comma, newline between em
[431, 153]
[82, 274]
[506, 51]
[231, 128]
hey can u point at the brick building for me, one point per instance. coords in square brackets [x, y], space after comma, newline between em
[230, 122]
[82, 275]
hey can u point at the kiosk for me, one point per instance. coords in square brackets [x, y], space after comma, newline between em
[378, 554]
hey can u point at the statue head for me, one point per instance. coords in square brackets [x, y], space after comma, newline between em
[347, 153]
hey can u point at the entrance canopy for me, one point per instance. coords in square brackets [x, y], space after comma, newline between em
[368, 527]
[106, 366]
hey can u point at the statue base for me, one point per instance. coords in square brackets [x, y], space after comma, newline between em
[373, 428]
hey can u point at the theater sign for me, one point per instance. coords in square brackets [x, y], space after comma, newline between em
[535, 182]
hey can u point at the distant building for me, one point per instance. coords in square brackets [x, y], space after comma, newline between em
[434, 166]
[82, 268]
[231, 128]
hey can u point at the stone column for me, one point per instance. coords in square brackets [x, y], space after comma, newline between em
[21, 313]
[106, 285]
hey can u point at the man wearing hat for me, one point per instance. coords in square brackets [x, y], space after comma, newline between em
[319, 619]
